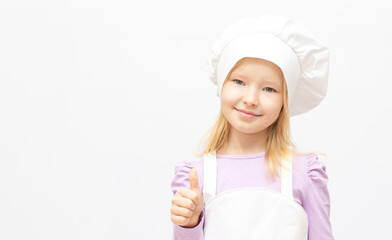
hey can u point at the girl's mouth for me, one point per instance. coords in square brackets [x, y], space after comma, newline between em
[246, 115]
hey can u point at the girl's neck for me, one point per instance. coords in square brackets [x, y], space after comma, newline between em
[241, 143]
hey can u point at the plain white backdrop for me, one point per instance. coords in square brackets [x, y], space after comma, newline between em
[100, 99]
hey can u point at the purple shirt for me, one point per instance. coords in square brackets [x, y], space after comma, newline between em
[238, 171]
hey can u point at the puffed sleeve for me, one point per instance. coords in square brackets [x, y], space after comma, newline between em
[317, 201]
[181, 180]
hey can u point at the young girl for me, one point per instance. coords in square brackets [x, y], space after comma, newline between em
[251, 183]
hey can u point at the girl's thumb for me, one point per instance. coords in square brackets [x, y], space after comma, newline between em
[193, 179]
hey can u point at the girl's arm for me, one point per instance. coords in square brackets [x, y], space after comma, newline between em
[181, 180]
[317, 201]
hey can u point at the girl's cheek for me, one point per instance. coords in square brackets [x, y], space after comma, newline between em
[269, 101]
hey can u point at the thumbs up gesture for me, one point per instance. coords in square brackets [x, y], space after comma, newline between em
[188, 203]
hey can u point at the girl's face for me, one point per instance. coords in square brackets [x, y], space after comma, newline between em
[255, 88]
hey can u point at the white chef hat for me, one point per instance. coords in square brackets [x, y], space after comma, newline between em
[303, 60]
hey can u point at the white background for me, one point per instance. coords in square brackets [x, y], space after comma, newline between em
[100, 99]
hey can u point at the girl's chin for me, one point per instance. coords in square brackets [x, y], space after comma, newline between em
[246, 130]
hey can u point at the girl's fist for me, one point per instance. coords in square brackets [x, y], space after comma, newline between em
[188, 203]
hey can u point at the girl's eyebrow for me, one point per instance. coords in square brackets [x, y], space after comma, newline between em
[241, 76]
[238, 75]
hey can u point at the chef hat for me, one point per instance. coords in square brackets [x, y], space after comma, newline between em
[304, 61]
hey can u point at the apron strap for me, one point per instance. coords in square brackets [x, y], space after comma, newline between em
[210, 175]
[210, 169]
[286, 182]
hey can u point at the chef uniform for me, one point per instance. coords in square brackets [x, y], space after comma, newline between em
[252, 213]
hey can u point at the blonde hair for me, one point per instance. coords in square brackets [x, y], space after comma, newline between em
[279, 143]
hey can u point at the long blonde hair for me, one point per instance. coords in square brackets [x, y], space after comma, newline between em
[279, 143]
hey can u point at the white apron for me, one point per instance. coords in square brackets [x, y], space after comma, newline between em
[251, 213]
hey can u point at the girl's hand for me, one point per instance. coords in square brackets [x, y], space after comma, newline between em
[188, 203]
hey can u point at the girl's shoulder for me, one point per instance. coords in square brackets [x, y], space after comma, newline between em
[186, 165]
[311, 166]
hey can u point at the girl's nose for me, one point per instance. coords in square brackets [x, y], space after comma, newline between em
[251, 97]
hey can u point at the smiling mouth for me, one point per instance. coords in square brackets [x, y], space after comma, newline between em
[247, 113]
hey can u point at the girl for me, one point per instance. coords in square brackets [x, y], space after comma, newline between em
[250, 182]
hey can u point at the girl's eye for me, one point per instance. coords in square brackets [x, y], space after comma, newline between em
[238, 81]
[268, 89]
